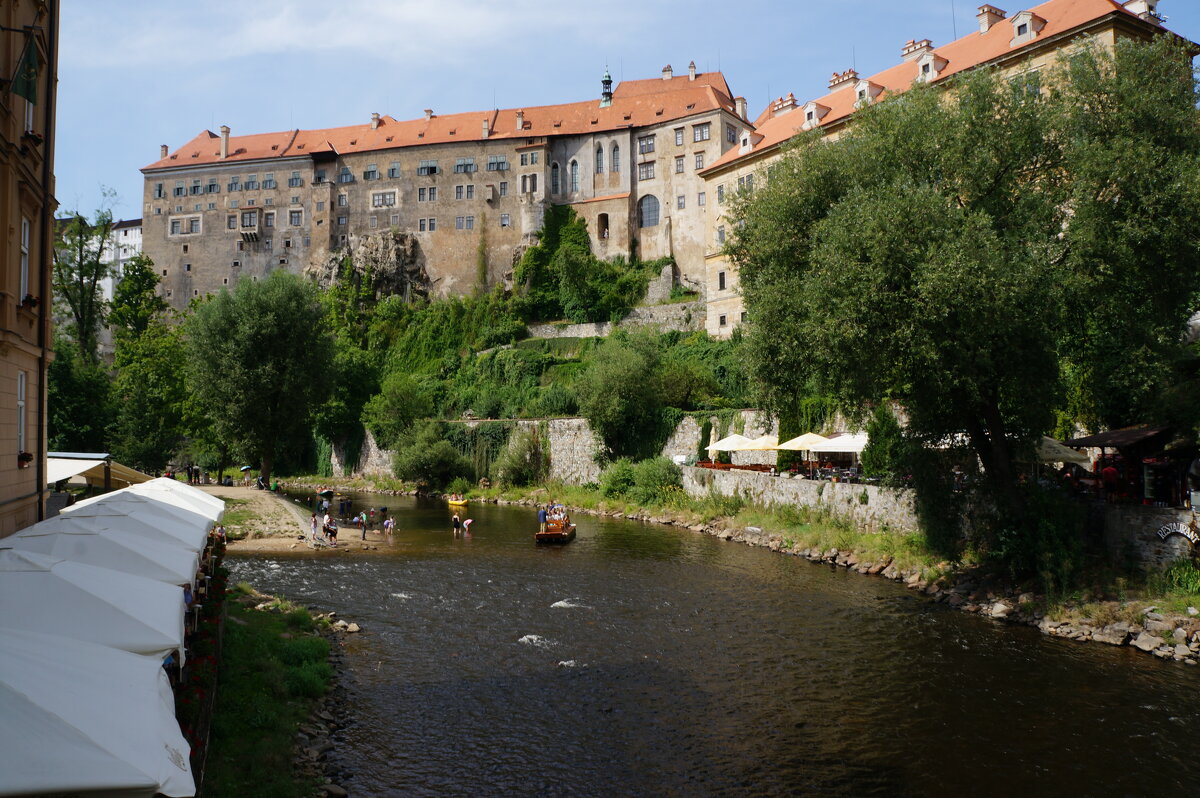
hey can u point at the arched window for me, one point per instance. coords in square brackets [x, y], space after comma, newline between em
[602, 225]
[648, 211]
[574, 175]
[599, 159]
[616, 159]
[555, 180]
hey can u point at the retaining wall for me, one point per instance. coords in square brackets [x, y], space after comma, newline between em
[1131, 530]
[682, 316]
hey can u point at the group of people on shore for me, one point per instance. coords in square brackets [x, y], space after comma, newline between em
[324, 530]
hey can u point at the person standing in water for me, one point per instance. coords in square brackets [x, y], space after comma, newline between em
[456, 523]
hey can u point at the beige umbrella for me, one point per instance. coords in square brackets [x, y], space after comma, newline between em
[763, 443]
[732, 443]
[1051, 451]
[803, 443]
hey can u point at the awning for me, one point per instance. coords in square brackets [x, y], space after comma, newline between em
[1119, 438]
[803, 443]
[847, 443]
[175, 492]
[187, 525]
[731, 443]
[98, 605]
[86, 718]
[60, 468]
[1051, 451]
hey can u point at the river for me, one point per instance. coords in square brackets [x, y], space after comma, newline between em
[650, 661]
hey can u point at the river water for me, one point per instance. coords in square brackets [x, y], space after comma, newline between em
[649, 661]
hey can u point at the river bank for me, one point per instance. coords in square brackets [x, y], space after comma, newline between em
[1167, 627]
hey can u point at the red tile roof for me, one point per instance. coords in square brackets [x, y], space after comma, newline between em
[635, 103]
[964, 53]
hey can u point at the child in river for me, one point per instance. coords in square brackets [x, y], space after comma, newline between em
[467, 527]
[456, 523]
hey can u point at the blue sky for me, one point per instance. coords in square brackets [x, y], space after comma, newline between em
[266, 65]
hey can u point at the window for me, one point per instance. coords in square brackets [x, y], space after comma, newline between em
[233, 203]
[524, 159]
[720, 275]
[372, 172]
[269, 180]
[249, 218]
[533, 183]
[421, 195]
[602, 225]
[395, 220]
[645, 144]
[342, 220]
[471, 191]
[176, 227]
[458, 192]
[497, 163]
[249, 202]
[196, 188]
[22, 379]
[680, 202]
[503, 188]
[702, 199]
[646, 171]
[343, 201]
[287, 243]
[29, 126]
[533, 159]
[187, 267]
[345, 175]
[678, 164]
[574, 175]
[179, 189]
[432, 224]
[231, 221]
[212, 206]
[721, 240]
[505, 220]
[678, 137]
[394, 169]
[721, 321]
[374, 222]
[743, 317]
[320, 176]
[459, 221]
[251, 183]
[731, 134]
[464, 165]
[1023, 29]
[746, 183]
[616, 158]
[320, 205]
[699, 160]
[721, 194]
[383, 199]
[433, 193]
[648, 211]
[24, 286]
[599, 160]
[295, 181]
[421, 225]
[555, 180]
[269, 219]
[702, 132]
[295, 200]
[234, 184]
[241, 245]
[470, 222]
[193, 225]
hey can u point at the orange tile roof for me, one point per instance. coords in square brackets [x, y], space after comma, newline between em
[635, 104]
[964, 53]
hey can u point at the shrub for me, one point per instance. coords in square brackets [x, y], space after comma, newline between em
[428, 459]
[654, 479]
[884, 455]
[617, 479]
[525, 462]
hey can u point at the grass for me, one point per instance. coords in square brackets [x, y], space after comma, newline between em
[265, 691]
[236, 512]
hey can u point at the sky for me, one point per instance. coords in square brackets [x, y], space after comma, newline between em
[139, 73]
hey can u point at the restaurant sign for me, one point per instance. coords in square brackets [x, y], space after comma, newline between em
[1178, 528]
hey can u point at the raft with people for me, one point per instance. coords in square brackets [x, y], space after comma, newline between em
[557, 528]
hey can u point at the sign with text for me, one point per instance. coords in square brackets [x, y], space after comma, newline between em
[1178, 528]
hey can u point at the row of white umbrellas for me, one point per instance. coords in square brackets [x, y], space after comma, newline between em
[91, 602]
[853, 442]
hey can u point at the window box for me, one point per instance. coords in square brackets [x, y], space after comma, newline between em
[24, 459]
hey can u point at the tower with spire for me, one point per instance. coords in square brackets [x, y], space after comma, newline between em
[606, 89]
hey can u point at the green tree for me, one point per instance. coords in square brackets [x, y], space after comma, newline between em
[79, 409]
[78, 272]
[258, 363]
[428, 459]
[149, 394]
[620, 394]
[401, 401]
[136, 303]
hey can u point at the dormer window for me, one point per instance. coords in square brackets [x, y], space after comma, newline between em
[865, 91]
[1026, 26]
[929, 67]
[813, 114]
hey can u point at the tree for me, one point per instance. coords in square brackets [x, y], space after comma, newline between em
[78, 404]
[401, 401]
[258, 363]
[78, 272]
[136, 303]
[149, 393]
[949, 250]
[620, 394]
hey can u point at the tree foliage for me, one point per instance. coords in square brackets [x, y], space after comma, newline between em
[259, 359]
[149, 394]
[621, 394]
[78, 271]
[136, 303]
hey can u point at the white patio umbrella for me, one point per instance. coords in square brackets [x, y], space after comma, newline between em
[730, 443]
[184, 495]
[99, 605]
[849, 443]
[763, 443]
[86, 718]
[803, 443]
[189, 526]
[148, 525]
[1051, 451]
[85, 541]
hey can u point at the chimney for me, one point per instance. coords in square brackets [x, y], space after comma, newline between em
[224, 141]
[162, 151]
[783, 104]
[485, 128]
[914, 50]
[1146, 9]
[989, 16]
[374, 121]
[429, 113]
[521, 119]
[667, 72]
[841, 79]
[739, 105]
[692, 70]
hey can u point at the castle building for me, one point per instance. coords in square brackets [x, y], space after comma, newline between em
[29, 48]
[1021, 46]
[445, 188]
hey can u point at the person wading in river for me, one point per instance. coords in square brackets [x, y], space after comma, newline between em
[456, 522]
